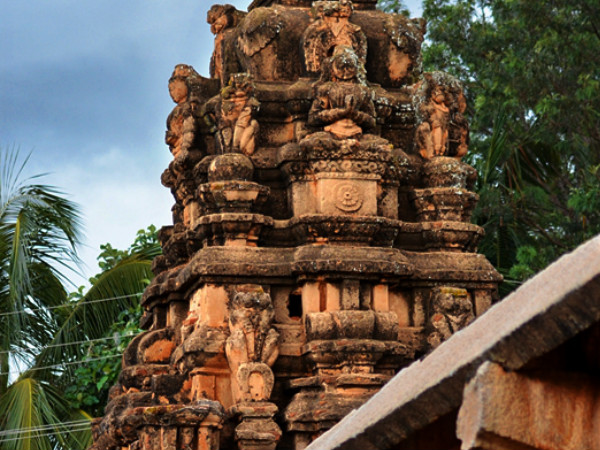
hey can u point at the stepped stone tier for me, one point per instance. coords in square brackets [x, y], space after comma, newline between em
[321, 239]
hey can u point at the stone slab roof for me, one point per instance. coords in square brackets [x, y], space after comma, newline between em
[548, 310]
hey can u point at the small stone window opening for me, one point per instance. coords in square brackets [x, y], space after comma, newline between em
[294, 305]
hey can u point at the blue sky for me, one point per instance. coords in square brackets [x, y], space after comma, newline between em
[84, 85]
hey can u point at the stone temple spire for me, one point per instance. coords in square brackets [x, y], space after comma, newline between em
[321, 237]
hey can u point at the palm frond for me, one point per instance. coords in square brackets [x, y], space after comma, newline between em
[89, 318]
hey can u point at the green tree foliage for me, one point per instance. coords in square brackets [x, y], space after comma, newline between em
[40, 324]
[88, 390]
[532, 77]
[39, 232]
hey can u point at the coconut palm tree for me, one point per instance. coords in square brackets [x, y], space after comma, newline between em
[39, 233]
[39, 321]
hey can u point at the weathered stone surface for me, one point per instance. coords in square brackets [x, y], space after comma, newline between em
[544, 313]
[506, 410]
[320, 239]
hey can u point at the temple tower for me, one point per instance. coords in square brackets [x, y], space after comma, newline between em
[321, 239]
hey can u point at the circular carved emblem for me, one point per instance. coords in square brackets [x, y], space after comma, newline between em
[348, 198]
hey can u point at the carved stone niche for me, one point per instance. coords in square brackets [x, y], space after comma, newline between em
[333, 177]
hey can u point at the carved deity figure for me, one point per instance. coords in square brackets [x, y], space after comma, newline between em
[237, 129]
[251, 347]
[343, 103]
[181, 122]
[221, 18]
[332, 29]
[451, 310]
[442, 129]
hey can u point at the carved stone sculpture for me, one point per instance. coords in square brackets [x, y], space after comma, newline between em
[343, 103]
[452, 310]
[442, 128]
[332, 29]
[221, 18]
[181, 123]
[251, 348]
[314, 253]
[237, 127]
[404, 47]
[252, 345]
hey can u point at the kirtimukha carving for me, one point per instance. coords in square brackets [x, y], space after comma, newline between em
[442, 128]
[237, 127]
[251, 347]
[344, 104]
[320, 241]
[332, 29]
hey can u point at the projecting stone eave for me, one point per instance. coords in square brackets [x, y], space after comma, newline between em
[544, 313]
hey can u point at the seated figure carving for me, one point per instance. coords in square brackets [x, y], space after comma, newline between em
[332, 29]
[343, 103]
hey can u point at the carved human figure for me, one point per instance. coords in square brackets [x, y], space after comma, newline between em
[331, 29]
[432, 134]
[220, 18]
[442, 129]
[451, 311]
[458, 139]
[181, 122]
[252, 339]
[237, 129]
[343, 103]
